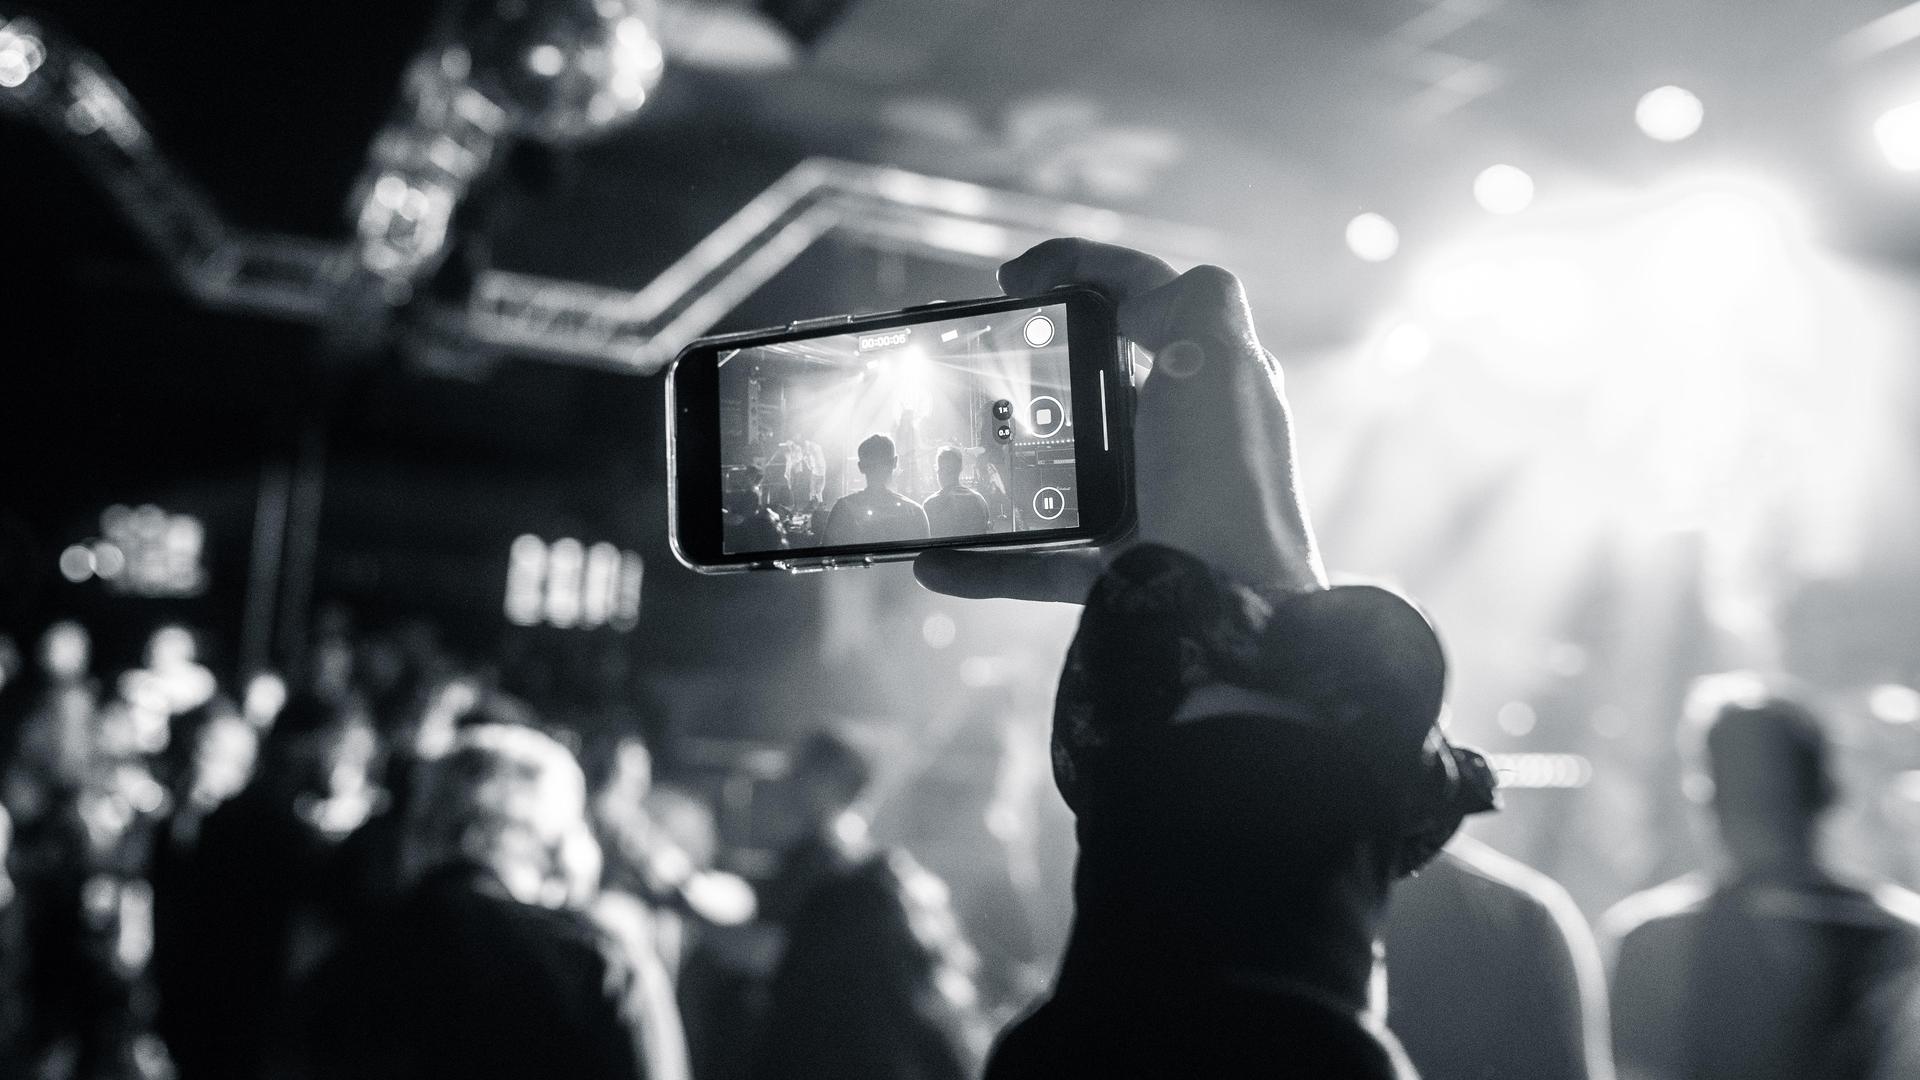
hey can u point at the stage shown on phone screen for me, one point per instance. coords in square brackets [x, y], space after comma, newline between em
[935, 430]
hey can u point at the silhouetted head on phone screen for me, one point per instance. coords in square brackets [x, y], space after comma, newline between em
[876, 514]
[954, 510]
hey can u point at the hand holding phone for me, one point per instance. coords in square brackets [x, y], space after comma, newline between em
[1213, 434]
[849, 441]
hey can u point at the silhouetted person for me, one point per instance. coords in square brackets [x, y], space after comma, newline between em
[1492, 973]
[240, 911]
[876, 513]
[954, 510]
[1252, 757]
[1768, 968]
[873, 978]
[489, 967]
[806, 471]
[747, 523]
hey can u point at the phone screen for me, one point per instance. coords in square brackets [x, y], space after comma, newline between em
[939, 430]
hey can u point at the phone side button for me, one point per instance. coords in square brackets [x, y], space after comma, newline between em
[797, 566]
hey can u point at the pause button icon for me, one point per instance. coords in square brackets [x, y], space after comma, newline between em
[1049, 503]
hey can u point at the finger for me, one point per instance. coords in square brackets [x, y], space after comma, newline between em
[1057, 576]
[1206, 306]
[1121, 273]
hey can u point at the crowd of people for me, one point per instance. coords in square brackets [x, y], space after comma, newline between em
[877, 513]
[410, 873]
[391, 868]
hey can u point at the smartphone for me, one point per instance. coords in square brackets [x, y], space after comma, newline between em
[860, 439]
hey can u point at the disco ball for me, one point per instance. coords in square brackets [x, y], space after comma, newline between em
[565, 70]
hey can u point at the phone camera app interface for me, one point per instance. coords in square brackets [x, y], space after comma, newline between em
[957, 428]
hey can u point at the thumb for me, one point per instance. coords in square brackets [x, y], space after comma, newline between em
[1057, 576]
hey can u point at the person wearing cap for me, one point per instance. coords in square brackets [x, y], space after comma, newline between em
[1768, 966]
[1253, 758]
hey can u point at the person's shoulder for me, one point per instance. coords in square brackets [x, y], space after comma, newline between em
[1501, 881]
[1880, 907]
[1664, 905]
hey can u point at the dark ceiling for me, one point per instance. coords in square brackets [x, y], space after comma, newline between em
[1274, 121]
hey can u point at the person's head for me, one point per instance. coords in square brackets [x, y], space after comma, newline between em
[948, 464]
[511, 800]
[745, 490]
[830, 774]
[877, 460]
[1760, 760]
[318, 748]
[1249, 777]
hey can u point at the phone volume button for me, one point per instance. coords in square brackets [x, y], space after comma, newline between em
[815, 324]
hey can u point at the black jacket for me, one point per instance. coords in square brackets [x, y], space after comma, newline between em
[465, 982]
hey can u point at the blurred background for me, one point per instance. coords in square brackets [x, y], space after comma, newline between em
[328, 332]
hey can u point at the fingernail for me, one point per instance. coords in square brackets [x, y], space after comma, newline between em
[1181, 359]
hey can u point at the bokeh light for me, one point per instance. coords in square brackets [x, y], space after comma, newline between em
[1503, 189]
[1372, 237]
[1669, 113]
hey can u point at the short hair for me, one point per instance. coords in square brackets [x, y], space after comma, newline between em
[949, 454]
[1757, 742]
[500, 787]
[831, 755]
[876, 451]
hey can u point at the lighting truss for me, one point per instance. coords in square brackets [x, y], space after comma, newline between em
[71, 94]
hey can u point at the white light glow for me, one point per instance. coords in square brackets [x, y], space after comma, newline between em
[526, 574]
[546, 60]
[938, 630]
[1895, 704]
[1406, 347]
[1503, 189]
[21, 54]
[1669, 113]
[76, 563]
[1898, 131]
[1372, 237]
[1516, 718]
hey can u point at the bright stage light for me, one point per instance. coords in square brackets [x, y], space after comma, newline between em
[546, 60]
[1669, 113]
[1503, 189]
[21, 53]
[76, 563]
[1899, 133]
[1372, 237]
